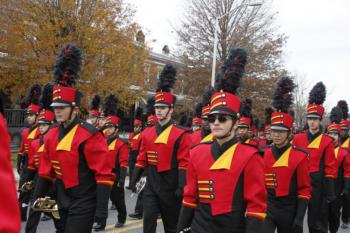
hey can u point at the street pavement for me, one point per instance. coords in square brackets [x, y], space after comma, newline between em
[131, 226]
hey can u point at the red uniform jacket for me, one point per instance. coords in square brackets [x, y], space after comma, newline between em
[279, 174]
[157, 150]
[9, 210]
[214, 182]
[340, 155]
[61, 155]
[118, 154]
[27, 136]
[347, 166]
[35, 150]
[134, 141]
[321, 148]
[197, 137]
[346, 144]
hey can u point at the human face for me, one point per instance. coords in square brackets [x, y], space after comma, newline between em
[31, 118]
[344, 133]
[205, 124]
[222, 126]
[279, 137]
[92, 120]
[335, 136]
[111, 130]
[163, 113]
[314, 123]
[268, 136]
[137, 129]
[242, 132]
[62, 113]
[43, 128]
[101, 122]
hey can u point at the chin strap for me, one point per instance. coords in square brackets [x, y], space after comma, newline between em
[228, 133]
[166, 115]
[70, 116]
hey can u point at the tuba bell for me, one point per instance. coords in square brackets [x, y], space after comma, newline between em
[46, 204]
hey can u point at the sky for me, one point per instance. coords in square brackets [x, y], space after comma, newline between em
[318, 46]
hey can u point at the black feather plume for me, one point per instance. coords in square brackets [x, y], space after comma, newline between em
[110, 105]
[258, 124]
[167, 78]
[207, 96]
[185, 120]
[283, 96]
[247, 106]
[232, 71]
[336, 115]
[317, 94]
[95, 102]
[198, 110]
[343, 105]
[34, 94]
[150, 105]
[68, 66]
[138, 113]
[268, 113]
[46, 96]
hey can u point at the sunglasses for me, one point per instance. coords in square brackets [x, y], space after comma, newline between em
[220, 117]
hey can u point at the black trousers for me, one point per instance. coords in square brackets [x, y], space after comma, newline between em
[132, 162]
[139, 203]
[334, 215]
[79, 216]
[280, 215]
[34, 216]
[165, 203]
[23, 197]
[318, 206]
[34, 219]
[345, 208]
[118, 199]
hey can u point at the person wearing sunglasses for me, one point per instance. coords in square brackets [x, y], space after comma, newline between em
[225, 190]
[286, 168]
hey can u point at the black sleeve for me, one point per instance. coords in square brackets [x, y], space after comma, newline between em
[185, 219]
[135, 177]
[122, 175]
[42, 187]
[253, 225]
[330, 189]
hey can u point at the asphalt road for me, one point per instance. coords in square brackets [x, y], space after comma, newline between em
[131, 226]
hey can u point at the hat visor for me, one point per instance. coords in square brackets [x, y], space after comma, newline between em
[278, 127]
[57, 104]
[161, 105]
[221, 111]
[242, 126]
[43, 122]
[333, 131]
[314, 116]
